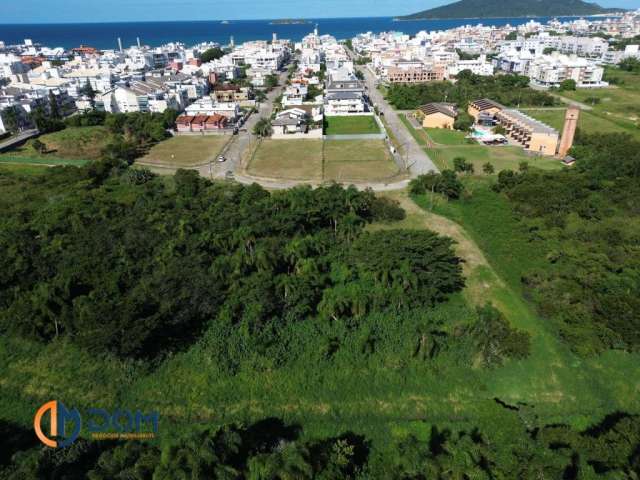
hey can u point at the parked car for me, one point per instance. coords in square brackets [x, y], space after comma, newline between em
[222, 159]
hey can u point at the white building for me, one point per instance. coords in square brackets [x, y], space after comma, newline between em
[551, 70]
[479, 66]
[207, 106]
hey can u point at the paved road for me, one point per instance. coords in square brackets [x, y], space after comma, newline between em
[21, 137]
[236, 148]
[418, 160]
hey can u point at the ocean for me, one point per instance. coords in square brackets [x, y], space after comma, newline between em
[104, 35]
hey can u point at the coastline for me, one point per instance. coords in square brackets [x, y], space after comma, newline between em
[597, 15]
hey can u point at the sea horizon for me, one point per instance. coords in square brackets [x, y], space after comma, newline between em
[104, 36]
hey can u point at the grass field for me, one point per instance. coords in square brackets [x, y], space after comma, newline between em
[443, 136]
[502, 158]
[360, 124]
[620, 101]
[288, 159]
[589, 122]
[186, 151]
[358, 160]
[622, 79]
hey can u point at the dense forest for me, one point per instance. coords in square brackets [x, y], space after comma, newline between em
[510, 90]
[272, 450]
[120, 263]
[587, 219]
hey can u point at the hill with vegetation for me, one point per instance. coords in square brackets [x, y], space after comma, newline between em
[512, 9]
[478, 327]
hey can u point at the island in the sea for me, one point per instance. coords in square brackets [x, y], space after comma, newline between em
[511, 9]
[290, 21]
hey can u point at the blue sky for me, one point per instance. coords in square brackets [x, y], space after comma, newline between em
[55, 11]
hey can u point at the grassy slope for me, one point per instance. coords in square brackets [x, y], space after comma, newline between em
[552, 374]
[71, 146]
[502, 158]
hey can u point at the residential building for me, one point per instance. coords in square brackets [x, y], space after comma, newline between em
[438, 115]
[420, 74]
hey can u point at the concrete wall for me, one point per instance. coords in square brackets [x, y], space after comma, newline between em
[312, 135]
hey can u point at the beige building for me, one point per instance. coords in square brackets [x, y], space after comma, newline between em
[437, 115]
[484, 105]
[530, 133]
[415, 75]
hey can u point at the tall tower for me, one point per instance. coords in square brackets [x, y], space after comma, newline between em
[120, 44]
[138, 39]
[569, 130]
[274, 39]
[232, 43]
[315, 30]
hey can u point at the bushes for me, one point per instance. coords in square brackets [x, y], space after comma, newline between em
[510, 90]
[387, 210]
[271, 450]
[587, 220]
[445, 183]
[463, 122]
[494, 340]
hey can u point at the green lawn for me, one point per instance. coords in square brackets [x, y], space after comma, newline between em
[620, 105]
[353, 125]
[443, 136]
[622, 79]
[502, 158]
[186, 150]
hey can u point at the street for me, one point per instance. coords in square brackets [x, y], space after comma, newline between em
[18, 138]
[237, 146]
[418, 160]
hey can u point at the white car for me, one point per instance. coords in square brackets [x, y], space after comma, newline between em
[222, 159]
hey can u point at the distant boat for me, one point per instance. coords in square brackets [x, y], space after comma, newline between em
[225, 22]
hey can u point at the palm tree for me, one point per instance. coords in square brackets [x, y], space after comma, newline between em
[262, 128]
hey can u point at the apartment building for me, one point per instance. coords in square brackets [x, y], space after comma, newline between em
[531, 134]
[420, 74]
[552, 70]
[592, 47]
